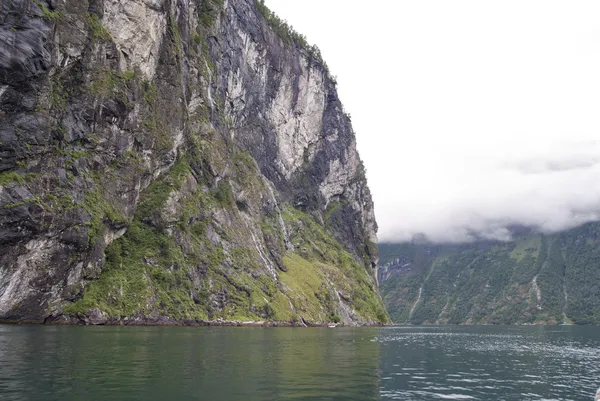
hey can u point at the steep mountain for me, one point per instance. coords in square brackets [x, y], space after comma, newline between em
[535, 279]
[169, 161]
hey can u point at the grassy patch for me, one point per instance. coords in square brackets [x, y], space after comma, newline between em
[100, 211]
[96, 29]
[333, 211]
[48, 14]
[156, 195]
[288, 34]
[526, 246]
[223, 194]
[110, 84]
[320, 252]
[58, 96]
[209, 11]
[11, 177]
[304, 280]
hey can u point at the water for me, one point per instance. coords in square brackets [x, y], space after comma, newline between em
[490, 363]
[404, 363]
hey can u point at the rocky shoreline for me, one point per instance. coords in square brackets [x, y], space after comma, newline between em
[163, 321]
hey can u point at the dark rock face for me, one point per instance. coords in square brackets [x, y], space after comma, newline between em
[26, 42]
[175, 159]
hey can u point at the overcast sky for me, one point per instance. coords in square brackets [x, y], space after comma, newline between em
[471, 116]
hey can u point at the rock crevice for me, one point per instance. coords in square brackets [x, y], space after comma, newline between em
[176, 160]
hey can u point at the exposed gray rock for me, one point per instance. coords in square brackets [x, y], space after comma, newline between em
[190, 120]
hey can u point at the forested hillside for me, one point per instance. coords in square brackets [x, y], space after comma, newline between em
[535, 279]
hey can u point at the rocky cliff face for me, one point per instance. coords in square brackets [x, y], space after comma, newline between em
[175, 160]
[535, 279]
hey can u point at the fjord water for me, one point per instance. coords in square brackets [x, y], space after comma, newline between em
[404, 363]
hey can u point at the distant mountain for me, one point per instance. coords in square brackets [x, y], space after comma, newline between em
[535, 279]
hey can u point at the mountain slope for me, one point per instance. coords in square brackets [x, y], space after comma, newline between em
[176, 160]
[541, 279]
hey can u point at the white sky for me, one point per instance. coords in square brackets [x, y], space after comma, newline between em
[471, 116]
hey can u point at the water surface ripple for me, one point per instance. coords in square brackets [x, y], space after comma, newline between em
[490, 363]
[230, 364]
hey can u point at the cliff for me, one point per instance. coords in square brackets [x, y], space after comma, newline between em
[176, 161]
[535, 279]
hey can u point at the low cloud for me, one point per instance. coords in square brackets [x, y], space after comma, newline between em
[490, 196]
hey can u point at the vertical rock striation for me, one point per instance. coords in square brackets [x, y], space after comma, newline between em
[532, 279]
[176, 161]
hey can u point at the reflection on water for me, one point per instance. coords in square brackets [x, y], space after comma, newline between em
[404, 363]
[173, 363]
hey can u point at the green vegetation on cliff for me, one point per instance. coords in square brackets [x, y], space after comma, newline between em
[148, 181]
[288, 34]
[191, 252]
[173, 269]
[544, 279]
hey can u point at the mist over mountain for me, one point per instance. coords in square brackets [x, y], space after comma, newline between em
[533, 279]
[546, 190]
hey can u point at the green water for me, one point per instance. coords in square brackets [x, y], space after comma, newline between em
[404, 363]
